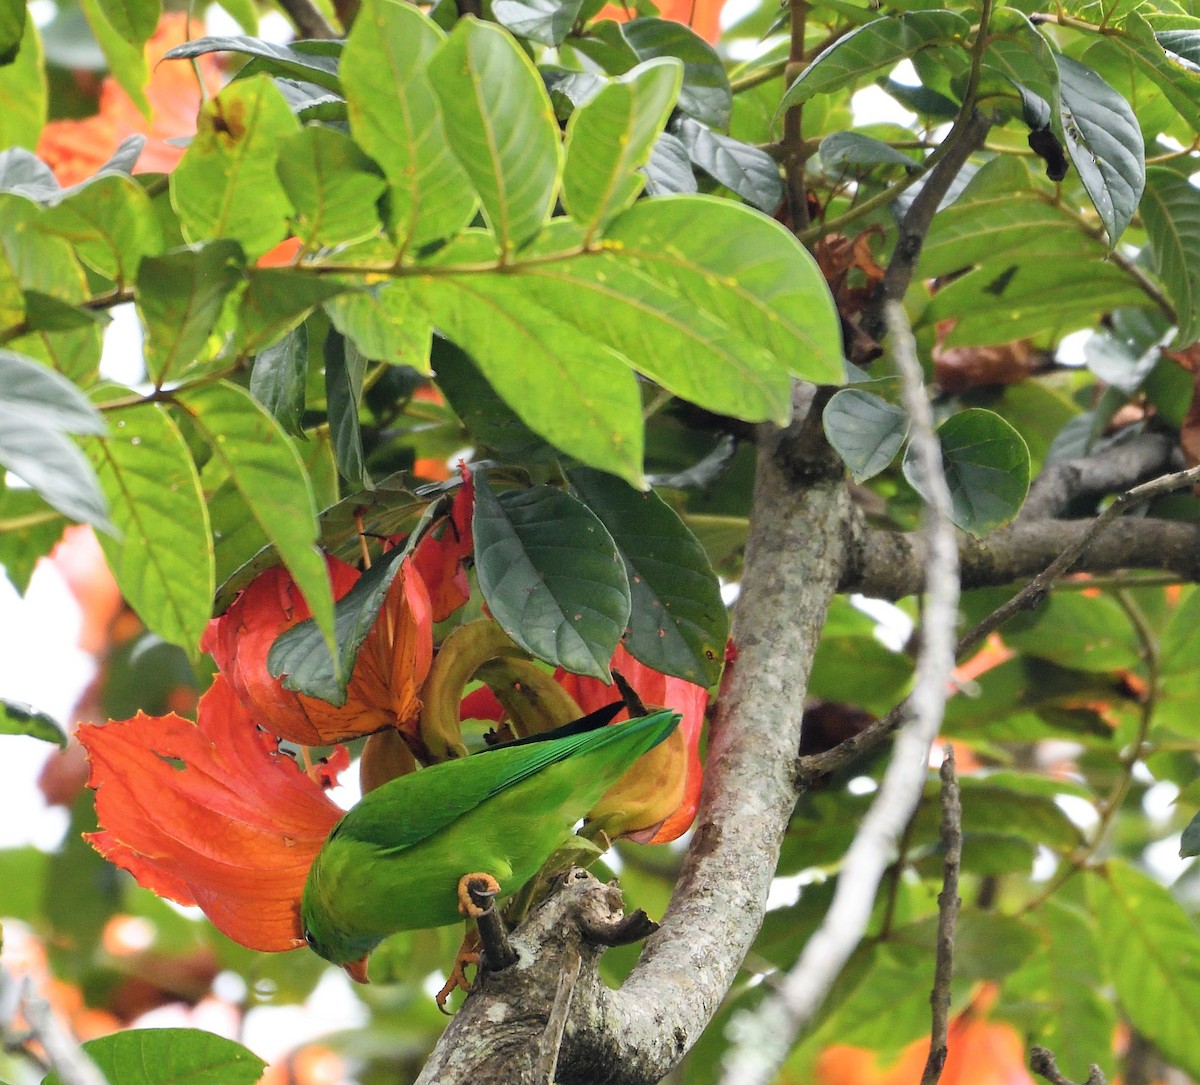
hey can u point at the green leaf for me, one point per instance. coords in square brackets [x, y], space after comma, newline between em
[501, 126]
[275, 301]
[52, 465]
[345, 366]
[1105, 143]
[705, 94]
[333, 186]
[669, 169]
[263, 465]
[226, 185]
[743, 169]
[171, 1056]
[611, 137]
[395, 118]
[1189, 843]
[179, 298]
[134, 20]
[13, 21]
[300, 655]
[41, 396]
[309, 66]
[1179, 83]
[678, 623]
[852, 149]
[1073, 630]
[278, 379]
[111, 225]
[545, 21]
[385, 323]
[18, 718]
[125, 61]
[882, 43]
[550, 575]
[1171, 214]
[865, 430]
[1151, 949]
[163, 558]
[987, 469]
[23, 93]
[987, 945]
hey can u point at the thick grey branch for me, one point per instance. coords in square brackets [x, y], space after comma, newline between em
[1109, 471]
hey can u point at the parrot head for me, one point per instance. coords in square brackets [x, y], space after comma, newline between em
[327, 938]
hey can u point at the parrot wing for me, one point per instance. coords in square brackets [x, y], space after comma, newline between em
[412, 808]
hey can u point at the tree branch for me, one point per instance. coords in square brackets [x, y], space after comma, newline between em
[308, 19]
[63, 1054]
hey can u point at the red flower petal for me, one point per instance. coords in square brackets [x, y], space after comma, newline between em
[441, 554]
[210, 813]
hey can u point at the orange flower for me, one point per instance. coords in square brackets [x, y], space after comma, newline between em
[657, 799]
[703, 16]
[392, 662]
[211, 813]
[441, 555]
[75, 149]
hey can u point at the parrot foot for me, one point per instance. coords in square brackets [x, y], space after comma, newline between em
[468, 954]
[476, 893]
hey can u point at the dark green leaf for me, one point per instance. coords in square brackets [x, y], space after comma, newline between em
[669, 169]
[12, 28]
[1172, 220]
[278, 379]
[1189, 843]
[611, 137]
[1074, 630]
[163, 557]
[226, 185]
[500, 125]
[880, 44]
[396, 119]
[179, 297]
[986, 464]
[852, 149]
[705, 94]
[545, 21]
[278, 59]
[1183, 44]
[18, 718]
[987, 946]
[171, 1056]
[275, 301]
[260, 461]
[1151, 949]
[1105, 143]
[865, 430]
[333, 186]
[300, 656]
[741, 168]
[345, 366]
[41, 396]
[551, 576]
[678, 623]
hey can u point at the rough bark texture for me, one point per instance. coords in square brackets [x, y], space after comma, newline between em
[635, 1035]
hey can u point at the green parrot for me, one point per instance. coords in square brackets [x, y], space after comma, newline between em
[399, 859]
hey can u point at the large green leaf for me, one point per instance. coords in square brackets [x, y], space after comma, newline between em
[134, 20]
[385, 324]
[396, 119]
[278, 379]
[179, 297]
[345, 366]
[1171, 214]
[226, 185]
[23, 94]
[1179, 83]
[501, 126]
[550, 575]
[263, 465]
[705, 94]
[544, 21]
[678, 623]
[171, 1056]
[1073, 630]
[333, 186]
[880, 44]
[1105, 143]
[986, 465]
[111, 225]
[1151, 948]
[17, 718]
[865, 430]
[125, 61]
[318, 68]
[610, 138]
[163, 557]
[741, 167]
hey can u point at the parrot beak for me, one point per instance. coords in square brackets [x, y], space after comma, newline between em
[357, 970]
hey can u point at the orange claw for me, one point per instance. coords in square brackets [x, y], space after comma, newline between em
[484, 885]
[468, 954]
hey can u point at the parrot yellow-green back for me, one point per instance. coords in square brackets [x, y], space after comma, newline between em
[394, 861]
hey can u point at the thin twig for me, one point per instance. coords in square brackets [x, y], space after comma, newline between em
[948, 904]
[1042, 1063]
[63, 1054]
[767, 1033]
[308, 19]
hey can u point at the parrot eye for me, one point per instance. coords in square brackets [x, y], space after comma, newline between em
[308, 937]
